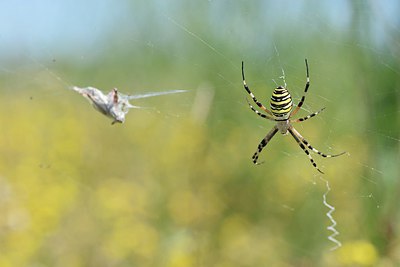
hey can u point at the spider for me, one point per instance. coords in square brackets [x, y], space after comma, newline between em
[281, 112]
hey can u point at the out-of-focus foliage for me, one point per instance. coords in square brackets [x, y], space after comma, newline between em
[174, 185]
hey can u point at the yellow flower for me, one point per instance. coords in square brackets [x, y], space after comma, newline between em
[358, 252]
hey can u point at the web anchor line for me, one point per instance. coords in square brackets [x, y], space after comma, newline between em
[331, 227]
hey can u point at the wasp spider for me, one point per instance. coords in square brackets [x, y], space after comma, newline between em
[282, 111]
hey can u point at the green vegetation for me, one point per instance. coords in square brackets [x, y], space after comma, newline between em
[175, 186]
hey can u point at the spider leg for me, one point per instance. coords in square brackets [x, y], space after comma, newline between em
[305, 92]
[259, 113]
[263, 143]
[298, 139]
[304, 141]
[309, 116]
[252, 95]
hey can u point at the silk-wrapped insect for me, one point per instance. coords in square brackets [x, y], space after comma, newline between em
[115, 105]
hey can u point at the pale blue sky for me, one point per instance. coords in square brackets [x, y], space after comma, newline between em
[44, 26]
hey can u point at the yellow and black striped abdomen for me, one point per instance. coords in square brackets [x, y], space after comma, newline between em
[281, 103]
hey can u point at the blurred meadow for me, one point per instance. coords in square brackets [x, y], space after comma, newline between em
[175, 185]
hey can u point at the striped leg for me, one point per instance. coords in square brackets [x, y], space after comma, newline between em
[263, 143]
[313, 149]
[305, 92]
[309, 116]
[252, 95]
[259, 113]
[298, 138]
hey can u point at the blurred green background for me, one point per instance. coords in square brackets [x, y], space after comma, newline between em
[175, 185]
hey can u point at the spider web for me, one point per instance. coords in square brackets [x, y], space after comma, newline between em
[331, 209]
[352, 50]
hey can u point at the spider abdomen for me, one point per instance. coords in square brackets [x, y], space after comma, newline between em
[281, 103]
